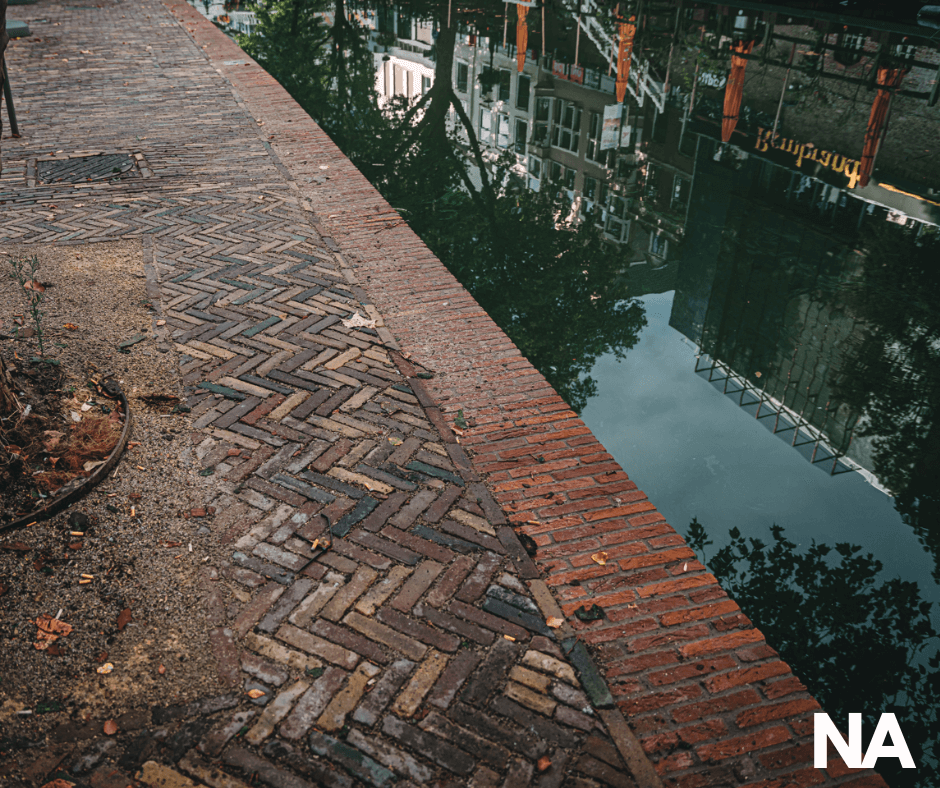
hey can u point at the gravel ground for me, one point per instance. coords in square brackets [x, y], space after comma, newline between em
[142, 552]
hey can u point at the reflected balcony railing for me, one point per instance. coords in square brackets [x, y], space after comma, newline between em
[811, 442]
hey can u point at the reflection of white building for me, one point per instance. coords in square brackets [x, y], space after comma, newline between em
[546, 119]
[235, 21]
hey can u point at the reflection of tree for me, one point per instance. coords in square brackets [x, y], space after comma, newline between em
[893, 374]
[860, 643]
[321, 57]
[555, 289]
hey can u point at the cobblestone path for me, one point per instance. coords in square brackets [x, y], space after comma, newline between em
[390, 619]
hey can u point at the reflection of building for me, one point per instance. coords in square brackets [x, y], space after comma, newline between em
[545, 121]
[228, 15]
[762, 289]
[814, 70]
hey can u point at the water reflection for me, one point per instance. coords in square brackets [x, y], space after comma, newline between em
[862, 643]
[776, 170]
[817, 315]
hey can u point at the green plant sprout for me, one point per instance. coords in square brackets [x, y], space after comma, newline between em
[34, 293]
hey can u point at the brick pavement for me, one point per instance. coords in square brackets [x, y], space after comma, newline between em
[377, 594]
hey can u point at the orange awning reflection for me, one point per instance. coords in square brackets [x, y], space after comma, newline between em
[624, 52]
[888, 78]
[734, 89]
[522, 35]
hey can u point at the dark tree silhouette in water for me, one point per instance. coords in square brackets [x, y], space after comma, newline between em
[893, 375]
[859, 641]
[556, 287]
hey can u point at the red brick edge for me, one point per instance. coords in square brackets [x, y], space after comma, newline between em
[711, 702]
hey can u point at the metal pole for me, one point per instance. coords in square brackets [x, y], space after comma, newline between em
[577, 40]
[672, 46]
[505, 22]
[8, 96]
[543, 29]
[783, 92]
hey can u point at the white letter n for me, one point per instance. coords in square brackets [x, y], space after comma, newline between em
[888, 726]
[824, 731]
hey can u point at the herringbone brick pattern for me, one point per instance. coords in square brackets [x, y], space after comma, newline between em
[388, 619]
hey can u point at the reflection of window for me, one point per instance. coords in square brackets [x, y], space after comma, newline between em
[486, 131]
[659, 245]
[522, 131]
[680, 192]
[542, 109]
[535, 173]
[566, 128]
[425, 84]
[463, 77]
[558, 172]
[590, 188]
[540, 130]
[616, 227]
[505, 80]
[523, 86]
[594, 137]
[569, 178]
[404, 25]
[652, 173]
[502, 130]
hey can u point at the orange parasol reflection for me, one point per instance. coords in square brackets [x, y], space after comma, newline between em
[888, 79]
[624, 52]
[522, 35]
[734, 89]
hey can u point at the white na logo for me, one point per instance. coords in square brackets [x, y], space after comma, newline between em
[824, 731]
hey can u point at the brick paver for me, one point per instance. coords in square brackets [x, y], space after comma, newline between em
[393, 621]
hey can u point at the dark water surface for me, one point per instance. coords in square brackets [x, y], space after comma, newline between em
[733, 275]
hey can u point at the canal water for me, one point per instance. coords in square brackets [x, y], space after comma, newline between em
[726, 257]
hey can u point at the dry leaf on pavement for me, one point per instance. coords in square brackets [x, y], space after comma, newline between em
[599, 558]
[50, 630]
[358, 320]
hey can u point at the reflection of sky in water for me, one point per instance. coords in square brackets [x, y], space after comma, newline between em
[695, 453]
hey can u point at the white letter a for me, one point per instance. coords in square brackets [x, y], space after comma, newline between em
[888, 726]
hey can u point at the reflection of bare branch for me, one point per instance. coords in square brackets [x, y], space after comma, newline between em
[413, 110]
[475, 147]
[411, 135]
[471, 189]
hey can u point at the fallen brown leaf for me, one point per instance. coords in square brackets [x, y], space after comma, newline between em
[255, 693]
[544, 763]
[599, 558]
[50, 630]
[124, 618]
[15, 546]
[110, 728]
